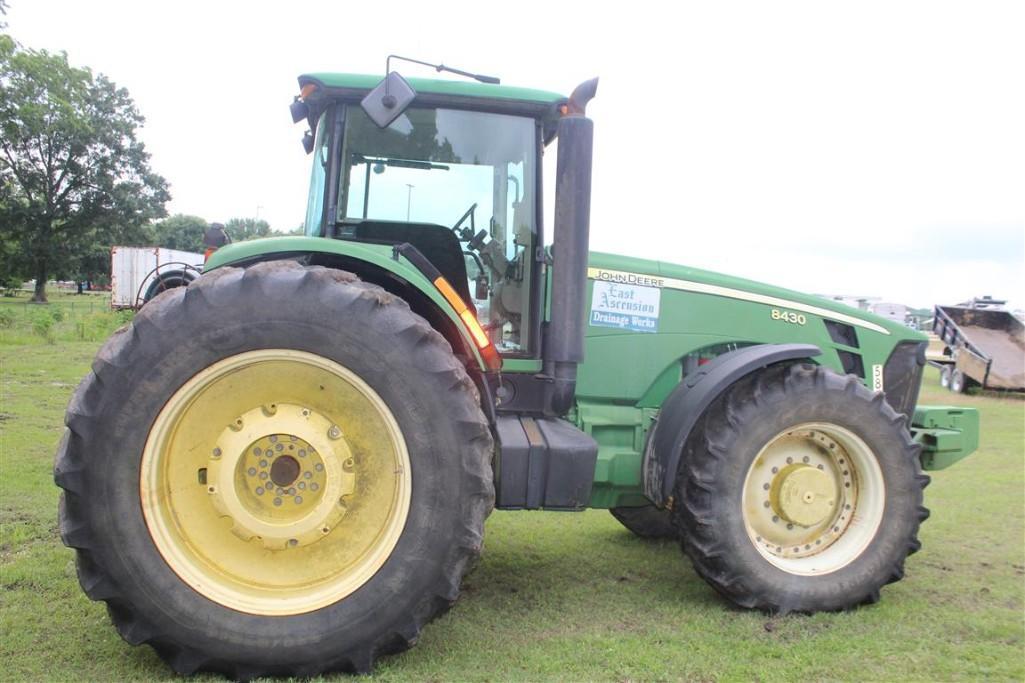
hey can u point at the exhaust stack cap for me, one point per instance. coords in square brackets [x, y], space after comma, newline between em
[582, 94]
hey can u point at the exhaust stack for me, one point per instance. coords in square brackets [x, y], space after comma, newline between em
[564, 342]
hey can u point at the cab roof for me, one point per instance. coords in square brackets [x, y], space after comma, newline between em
[434, 86]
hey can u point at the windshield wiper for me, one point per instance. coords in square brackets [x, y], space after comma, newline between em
[399, 163]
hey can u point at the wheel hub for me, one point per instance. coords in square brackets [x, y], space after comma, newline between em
[803, 494]
[800, 494]
[281, 474]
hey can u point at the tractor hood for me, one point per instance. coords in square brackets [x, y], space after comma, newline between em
[669, 276]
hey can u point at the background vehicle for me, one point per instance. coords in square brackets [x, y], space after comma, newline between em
[137, 274]
[285, 467]
[984, 346]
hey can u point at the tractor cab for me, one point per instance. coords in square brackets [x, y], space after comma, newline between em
[456, 177]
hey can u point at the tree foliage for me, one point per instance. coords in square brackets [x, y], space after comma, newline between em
[72, 172]
[242, 229]
[180, 231]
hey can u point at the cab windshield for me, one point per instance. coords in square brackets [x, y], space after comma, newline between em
[460, 186]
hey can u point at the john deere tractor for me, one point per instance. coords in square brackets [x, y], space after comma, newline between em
[285, 467]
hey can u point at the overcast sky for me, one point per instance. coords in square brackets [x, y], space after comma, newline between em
[864, 148]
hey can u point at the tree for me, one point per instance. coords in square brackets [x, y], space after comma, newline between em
[242, 229]
[72, 173]
[181, 231]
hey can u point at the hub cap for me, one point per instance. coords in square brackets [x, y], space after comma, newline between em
[813, 498]
[275, 482]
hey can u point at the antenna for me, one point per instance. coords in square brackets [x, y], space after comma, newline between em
[439, 68]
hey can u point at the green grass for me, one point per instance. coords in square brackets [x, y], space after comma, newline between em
[67, 317]
[567, 596]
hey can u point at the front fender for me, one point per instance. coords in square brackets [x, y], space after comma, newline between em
[685, 404]
[380, 256]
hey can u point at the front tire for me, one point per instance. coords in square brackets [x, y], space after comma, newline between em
[800, 490]
[275, 471]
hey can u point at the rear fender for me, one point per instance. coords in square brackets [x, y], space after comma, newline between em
[375, 263]
[685, 404]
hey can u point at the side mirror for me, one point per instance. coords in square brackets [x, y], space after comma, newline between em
[388, 100]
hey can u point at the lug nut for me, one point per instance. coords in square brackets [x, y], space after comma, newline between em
[334, 432]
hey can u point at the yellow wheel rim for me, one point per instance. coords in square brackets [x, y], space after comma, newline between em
[813, 498]
[275, 482]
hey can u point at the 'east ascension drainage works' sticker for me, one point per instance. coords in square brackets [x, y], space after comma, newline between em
[625, 307]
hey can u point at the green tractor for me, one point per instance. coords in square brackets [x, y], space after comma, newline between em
[285, 467]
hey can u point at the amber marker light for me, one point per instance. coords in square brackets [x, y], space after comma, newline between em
[480, 337]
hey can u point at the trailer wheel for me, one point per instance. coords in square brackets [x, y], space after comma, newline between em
[166, 281]
[945, 373]
[647, 521]
[800, 491]
[958, 382]
[275, 471]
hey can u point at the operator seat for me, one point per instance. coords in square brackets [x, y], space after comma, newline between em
[436, 242]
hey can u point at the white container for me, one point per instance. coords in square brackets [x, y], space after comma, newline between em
[139, 273]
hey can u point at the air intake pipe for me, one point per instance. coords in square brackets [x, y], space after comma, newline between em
[564, 339]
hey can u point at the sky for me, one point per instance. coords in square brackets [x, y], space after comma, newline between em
[870, 149]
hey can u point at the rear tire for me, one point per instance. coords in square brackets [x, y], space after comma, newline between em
[297, 326]
[945, 373]
[647, 521]
[800, 490]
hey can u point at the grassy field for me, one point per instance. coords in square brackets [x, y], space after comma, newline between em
[556, 596]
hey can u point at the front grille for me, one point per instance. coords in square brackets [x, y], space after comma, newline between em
[842, 333]
[902, 376]
[851, 363]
